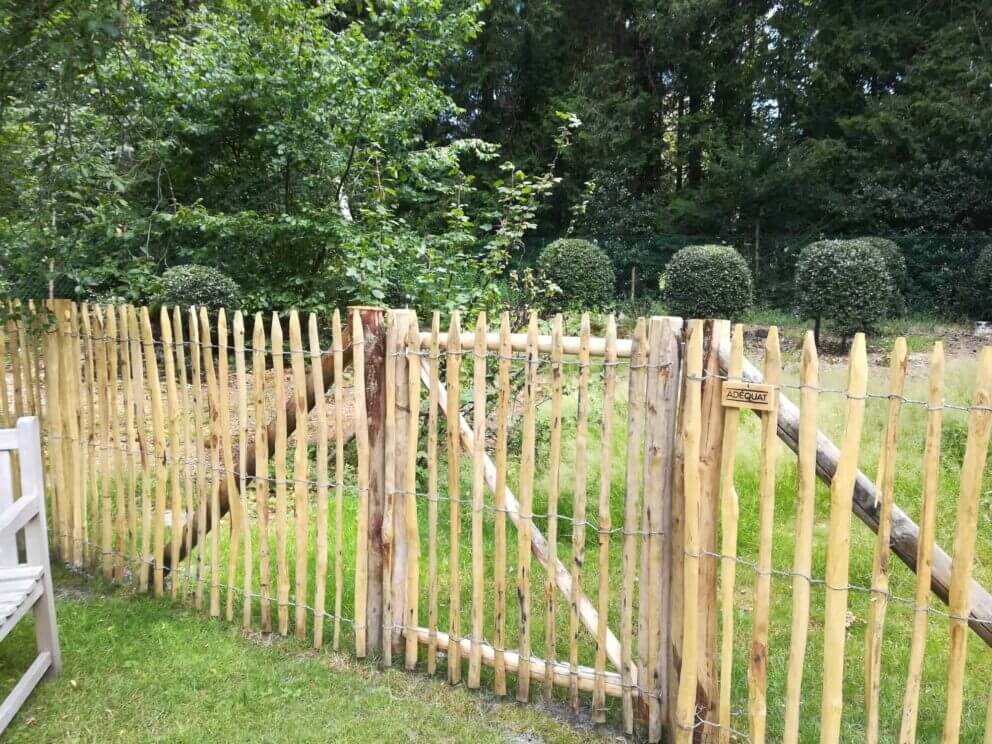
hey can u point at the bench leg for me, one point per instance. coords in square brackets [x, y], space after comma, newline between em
[36, 540]
[23, 688]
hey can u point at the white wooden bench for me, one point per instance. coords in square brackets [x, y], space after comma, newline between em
[25, 586]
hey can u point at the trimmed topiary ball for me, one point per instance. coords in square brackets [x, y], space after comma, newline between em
[846, 282]
[707, 281]
[203, 286]
[982, 307]
[895, 262]
[582, 271]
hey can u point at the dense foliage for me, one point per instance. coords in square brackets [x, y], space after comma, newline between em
[760, 117]
[845, 281]
[325, 153]
[203, 286]
[581, 271]
[282, 142]
[707, 281]
[983, 285]
[895, 264]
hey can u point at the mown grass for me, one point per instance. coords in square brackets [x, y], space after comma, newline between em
[831, 419]
[140, 670]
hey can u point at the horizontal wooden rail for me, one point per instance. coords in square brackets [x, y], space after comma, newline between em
[561, 671]
[518, 342]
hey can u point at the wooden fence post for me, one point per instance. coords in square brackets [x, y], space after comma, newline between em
[373, 320]
[715, 332]
[394, 512]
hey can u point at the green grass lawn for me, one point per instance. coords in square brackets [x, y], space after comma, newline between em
[139, 670]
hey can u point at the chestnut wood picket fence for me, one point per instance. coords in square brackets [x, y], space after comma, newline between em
[179, 461]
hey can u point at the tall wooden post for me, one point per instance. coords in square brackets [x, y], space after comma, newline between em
[374, 330]
[710, 456]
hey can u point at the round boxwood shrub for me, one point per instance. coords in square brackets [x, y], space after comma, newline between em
[203, 286]
[982, 298]
[582, 271]
[844, 281]
[707, 281]
[895, 262]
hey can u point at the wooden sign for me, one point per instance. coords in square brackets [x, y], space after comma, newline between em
[753, 395]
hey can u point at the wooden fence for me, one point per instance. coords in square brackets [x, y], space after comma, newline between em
[179, 460]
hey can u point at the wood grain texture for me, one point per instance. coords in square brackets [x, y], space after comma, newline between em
[802, 561]
[965, 528]
[924, 560]
[838, 546]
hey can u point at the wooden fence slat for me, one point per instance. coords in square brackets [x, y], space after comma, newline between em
[119, 456]
[412, 362]
[23, 318]
[803, 554]
[729, 512]
[4, 401]
[659, 617]
[432, 497]
[234, 502]
[710, 454]
[632, 496]
[89, 432]
[579, 508]
[838, 542]
[965, 530]
[159, 450]
[282, 561]
[188, 452]
[320, 408]
[195, 354]
[107, 445]
[17, 380]
[604, 522]
[175, 453]
[34, 327]
[61, 411]
[144, 528]
[77, 434]
[685, 715]
[301, 474]
[526, 505]
[131, 436]
[758, 668]
[388, 531]
[478, 495]
[213, 410]
[554, 490]
[885, 485]
[363, 470]
[242, 467]
[453, 384]
[68, 367]
[924, 560]
[56, 434]
[36, 337]
[261, 471]
[499, 519]
[337, 344]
